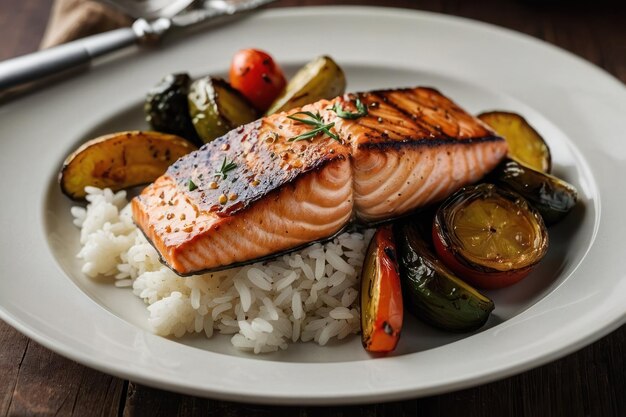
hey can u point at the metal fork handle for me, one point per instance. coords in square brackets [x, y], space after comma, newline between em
[30, 67]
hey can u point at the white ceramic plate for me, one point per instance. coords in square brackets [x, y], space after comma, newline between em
[576, 296]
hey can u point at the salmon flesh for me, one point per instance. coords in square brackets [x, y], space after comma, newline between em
[257, 191]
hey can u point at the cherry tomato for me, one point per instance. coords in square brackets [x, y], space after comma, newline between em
[381, 294]
[255, 74]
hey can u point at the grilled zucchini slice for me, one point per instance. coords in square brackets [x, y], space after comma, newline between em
[431, 291]
[320, 79]
[551, 196]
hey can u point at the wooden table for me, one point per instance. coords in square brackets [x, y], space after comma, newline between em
[591, 382]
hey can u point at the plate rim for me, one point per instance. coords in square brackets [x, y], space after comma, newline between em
[554, 353]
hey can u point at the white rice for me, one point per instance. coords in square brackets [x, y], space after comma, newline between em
[309, 295]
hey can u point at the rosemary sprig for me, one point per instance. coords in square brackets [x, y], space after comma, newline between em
[225, 168]
[316, 121]
[360, 107]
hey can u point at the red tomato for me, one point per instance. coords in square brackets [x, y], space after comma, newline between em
[490, 280]
[381, 294]
[255, 74]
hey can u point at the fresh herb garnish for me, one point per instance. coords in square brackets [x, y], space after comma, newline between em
[316, 121]
[360, 107]
[226, 167]
[192, 185]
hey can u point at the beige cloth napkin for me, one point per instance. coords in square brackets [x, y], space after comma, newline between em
[74, 19]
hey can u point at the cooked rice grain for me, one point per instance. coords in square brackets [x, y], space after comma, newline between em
[307, 295]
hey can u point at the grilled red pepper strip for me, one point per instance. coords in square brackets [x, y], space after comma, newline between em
[381, 296]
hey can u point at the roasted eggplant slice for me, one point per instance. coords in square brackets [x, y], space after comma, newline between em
[120, 160]
[488, 236]
[381, 296]
[431, 291]
[216, 108]
[320, 79]
[167, 109]
[551, 196]
[525, 144]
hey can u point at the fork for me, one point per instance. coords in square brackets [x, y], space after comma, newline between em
[153, 19]
[149, 9]
[80, 53]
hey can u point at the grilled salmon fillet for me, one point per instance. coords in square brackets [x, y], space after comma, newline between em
[257, 190]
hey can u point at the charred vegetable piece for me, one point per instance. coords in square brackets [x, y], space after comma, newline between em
[167, 109]
[431, 291]
[216, 108]
[255, 75]
[381, 296]
[551, 196]
[120, 160]
[490, 237]
[320, 79]
[525, 144]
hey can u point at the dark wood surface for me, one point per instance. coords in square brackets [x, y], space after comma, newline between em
[591, 382]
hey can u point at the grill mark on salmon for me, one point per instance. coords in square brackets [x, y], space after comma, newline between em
[415, 115]
[261, 153]
[414, 147]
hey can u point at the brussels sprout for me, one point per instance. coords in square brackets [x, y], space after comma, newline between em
[167, 110]
[216, 108]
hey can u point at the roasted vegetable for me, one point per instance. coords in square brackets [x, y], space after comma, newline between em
[525, 144]
[381, 297]
[431, 291]
[167, 109]
[320, 79]
[216, 108]
[488, 236]
[551, 196]
[120, 160]
[255, 75]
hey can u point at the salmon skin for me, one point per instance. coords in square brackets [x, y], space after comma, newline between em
[259, 190]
